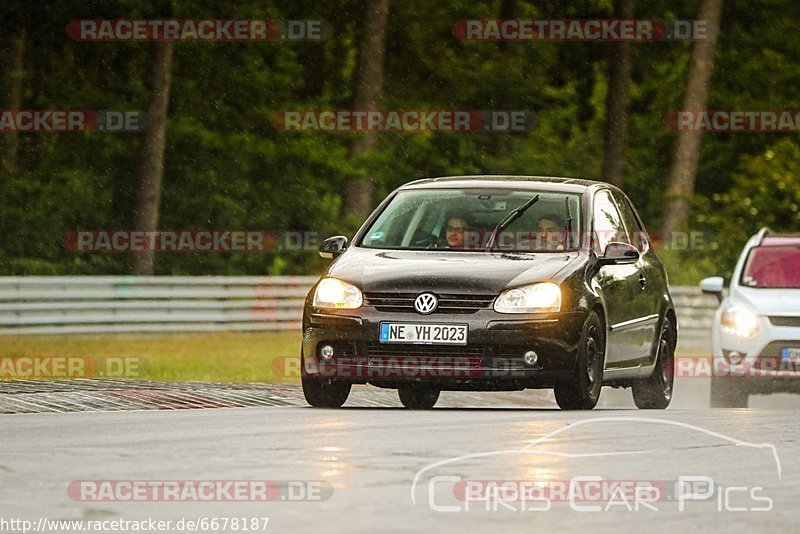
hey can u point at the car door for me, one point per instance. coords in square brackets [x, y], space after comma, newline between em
[619, 286]
[648, 300]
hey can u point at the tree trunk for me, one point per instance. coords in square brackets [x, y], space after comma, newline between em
[13, 99]
[619, 80]
[369, 78]
[151, 160]
[508, 10]
[687, 149]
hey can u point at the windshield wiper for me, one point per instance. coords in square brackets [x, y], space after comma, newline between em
[568, 226]
[512, 216]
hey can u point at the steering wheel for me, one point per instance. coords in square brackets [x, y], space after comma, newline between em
[431, 242]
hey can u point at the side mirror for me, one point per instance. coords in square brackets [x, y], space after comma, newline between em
[618, 253]
[713, 285]
[333, 246]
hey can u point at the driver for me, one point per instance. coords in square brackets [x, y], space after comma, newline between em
[455, 230]
[550, 227]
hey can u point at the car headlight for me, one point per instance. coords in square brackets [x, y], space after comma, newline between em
[333, 293]
[535, 298]
[739, 321]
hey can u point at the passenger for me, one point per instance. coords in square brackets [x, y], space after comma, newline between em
[550, 227]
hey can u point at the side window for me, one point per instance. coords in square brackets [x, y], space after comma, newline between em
[608, 225]
[637, 235]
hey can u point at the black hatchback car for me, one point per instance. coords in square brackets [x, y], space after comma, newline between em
[487, 283]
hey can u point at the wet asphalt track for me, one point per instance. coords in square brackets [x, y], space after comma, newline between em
[370, 453]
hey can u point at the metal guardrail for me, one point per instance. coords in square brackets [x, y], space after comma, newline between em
[695, 311]
[118, 304]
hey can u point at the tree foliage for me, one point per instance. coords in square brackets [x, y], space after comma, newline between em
[226, 167]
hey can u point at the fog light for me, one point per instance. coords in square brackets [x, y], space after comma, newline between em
[735, 357]
[530, 357]
[326, 352]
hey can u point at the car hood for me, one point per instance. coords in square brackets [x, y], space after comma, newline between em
[767, 301]
[456, 272]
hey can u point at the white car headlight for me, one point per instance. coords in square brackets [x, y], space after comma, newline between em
[535, 298]
[739, 321]
[333, 293]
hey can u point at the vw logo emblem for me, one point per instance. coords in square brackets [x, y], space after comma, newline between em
[426, 303]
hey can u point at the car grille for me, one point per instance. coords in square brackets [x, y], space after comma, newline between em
[471, 357]
[377, 350]
[778, 320]
[770, 357]
[425, 356]
[448, 303]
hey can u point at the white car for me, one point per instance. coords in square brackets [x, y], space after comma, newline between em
[755, 336]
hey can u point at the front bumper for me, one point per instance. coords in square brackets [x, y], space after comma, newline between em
[757, 362]
[492, 359]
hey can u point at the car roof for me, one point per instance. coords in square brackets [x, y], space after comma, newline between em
[551, 183]
[778, 240]
[767, 238]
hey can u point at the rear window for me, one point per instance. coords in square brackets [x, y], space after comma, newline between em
[772, 267]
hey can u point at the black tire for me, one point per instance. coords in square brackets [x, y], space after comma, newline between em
[655, 391]
[323, 392]
[728, 392]
[418, 397]
[583, 392]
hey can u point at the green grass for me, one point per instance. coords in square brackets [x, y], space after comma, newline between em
[219, 357]
[216, 357]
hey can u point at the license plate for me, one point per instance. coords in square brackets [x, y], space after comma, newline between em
[428, 334]
[790, 354]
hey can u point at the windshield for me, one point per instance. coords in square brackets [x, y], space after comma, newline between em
[463, 220]
[776, 267]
